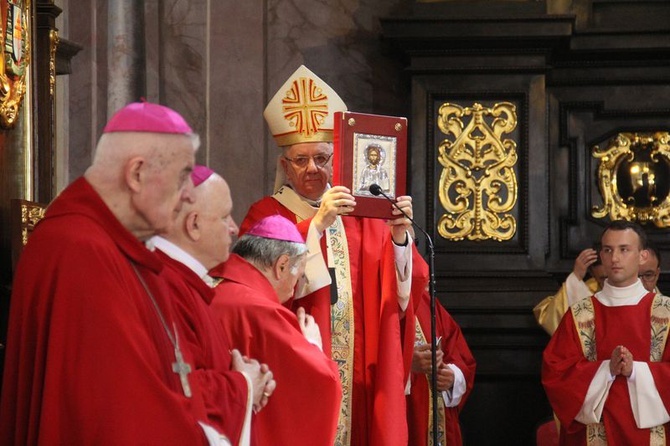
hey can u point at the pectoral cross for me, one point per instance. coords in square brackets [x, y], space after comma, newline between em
[183, 369]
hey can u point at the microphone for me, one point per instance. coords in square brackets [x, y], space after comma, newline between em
[376, 190]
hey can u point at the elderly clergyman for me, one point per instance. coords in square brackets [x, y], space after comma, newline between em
[94, 355]
[257, 279]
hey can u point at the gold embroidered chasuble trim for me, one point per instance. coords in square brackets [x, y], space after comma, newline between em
[420, 338]
[342, 320]
[342, 313]
[585, 323]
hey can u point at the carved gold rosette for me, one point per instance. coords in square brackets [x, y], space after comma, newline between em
[634, 178]
[478, 186]
[15, 35]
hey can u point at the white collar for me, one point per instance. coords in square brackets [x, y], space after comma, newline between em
[612, 296]
[176, 253]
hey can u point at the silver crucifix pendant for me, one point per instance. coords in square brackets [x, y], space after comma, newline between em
[183, 369]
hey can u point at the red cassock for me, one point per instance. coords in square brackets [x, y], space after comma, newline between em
[382, 353]
[88, 360]
[305, 405]
[567, 374]
[457, 352]
[225, 391]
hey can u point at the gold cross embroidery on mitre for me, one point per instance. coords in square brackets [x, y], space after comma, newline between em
[305, 106]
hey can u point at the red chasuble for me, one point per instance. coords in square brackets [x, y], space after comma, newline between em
[225, 391]
[566, 374]
[304, 407]
[457, 352]
[382, 354]
[88, 360]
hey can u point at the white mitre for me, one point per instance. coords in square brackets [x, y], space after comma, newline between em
[302, 110]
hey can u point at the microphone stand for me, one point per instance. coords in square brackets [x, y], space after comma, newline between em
[376, 190]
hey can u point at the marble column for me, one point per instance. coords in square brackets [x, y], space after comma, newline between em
[125, 53]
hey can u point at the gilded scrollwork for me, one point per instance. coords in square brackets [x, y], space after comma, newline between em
[30, 216]
[633, 178]
[54, 40]
[16, 57]
[478, 186]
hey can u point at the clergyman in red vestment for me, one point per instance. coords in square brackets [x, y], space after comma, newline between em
[259, 276]
[455, 379]
[606, 365]
[94, 355]
[370, 261]
[199, 240]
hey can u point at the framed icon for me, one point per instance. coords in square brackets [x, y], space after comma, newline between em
[370, 158]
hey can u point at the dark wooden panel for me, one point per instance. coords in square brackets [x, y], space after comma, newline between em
[578, 76]
[504, 412]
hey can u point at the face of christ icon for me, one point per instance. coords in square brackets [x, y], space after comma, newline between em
[374, 173]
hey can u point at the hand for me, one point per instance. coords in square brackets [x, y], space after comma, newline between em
[421, 359]
[335, 201]
[401, 225]
[262, 382]
[621, 362]
[585, 259]
[445, 379]
[309, 328]
[269, 389]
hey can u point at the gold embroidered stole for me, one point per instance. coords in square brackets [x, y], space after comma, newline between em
[342, 321]
[420, 338]
[585, 323]
[342, 313]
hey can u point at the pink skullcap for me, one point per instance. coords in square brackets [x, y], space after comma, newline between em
[278, 228]
[147, 117]
[200, 174]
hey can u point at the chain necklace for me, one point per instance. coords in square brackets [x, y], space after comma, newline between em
[179, 367]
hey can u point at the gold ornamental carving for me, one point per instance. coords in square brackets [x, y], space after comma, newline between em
[54, 40]
[478, 186]
[15, 41]
[31, 214]
[634, 178]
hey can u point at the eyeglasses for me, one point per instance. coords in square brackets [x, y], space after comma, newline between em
[648, 276]
[320, 160]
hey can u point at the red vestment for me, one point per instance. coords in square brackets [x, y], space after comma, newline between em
[225, 391]
[382, 353]
[305, 405]
[88, 360]
[567, 374]
[457, 352]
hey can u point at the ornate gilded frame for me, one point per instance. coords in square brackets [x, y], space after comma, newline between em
[633, 178]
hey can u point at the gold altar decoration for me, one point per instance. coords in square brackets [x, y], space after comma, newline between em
[478, 186]
[634, 178]
[15, 41]
[31, 214]
[54, 40]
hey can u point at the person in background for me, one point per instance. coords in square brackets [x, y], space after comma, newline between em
[370, 261]
[256, 280]
[604, 367]
[94, 354]
[550, 311]
[650, 269]
[455, 380]
[199, 241]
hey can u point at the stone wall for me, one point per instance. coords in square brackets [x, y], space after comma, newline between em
[218, 63]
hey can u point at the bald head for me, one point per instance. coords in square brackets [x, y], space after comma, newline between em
[205, 227]
[143, 178]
